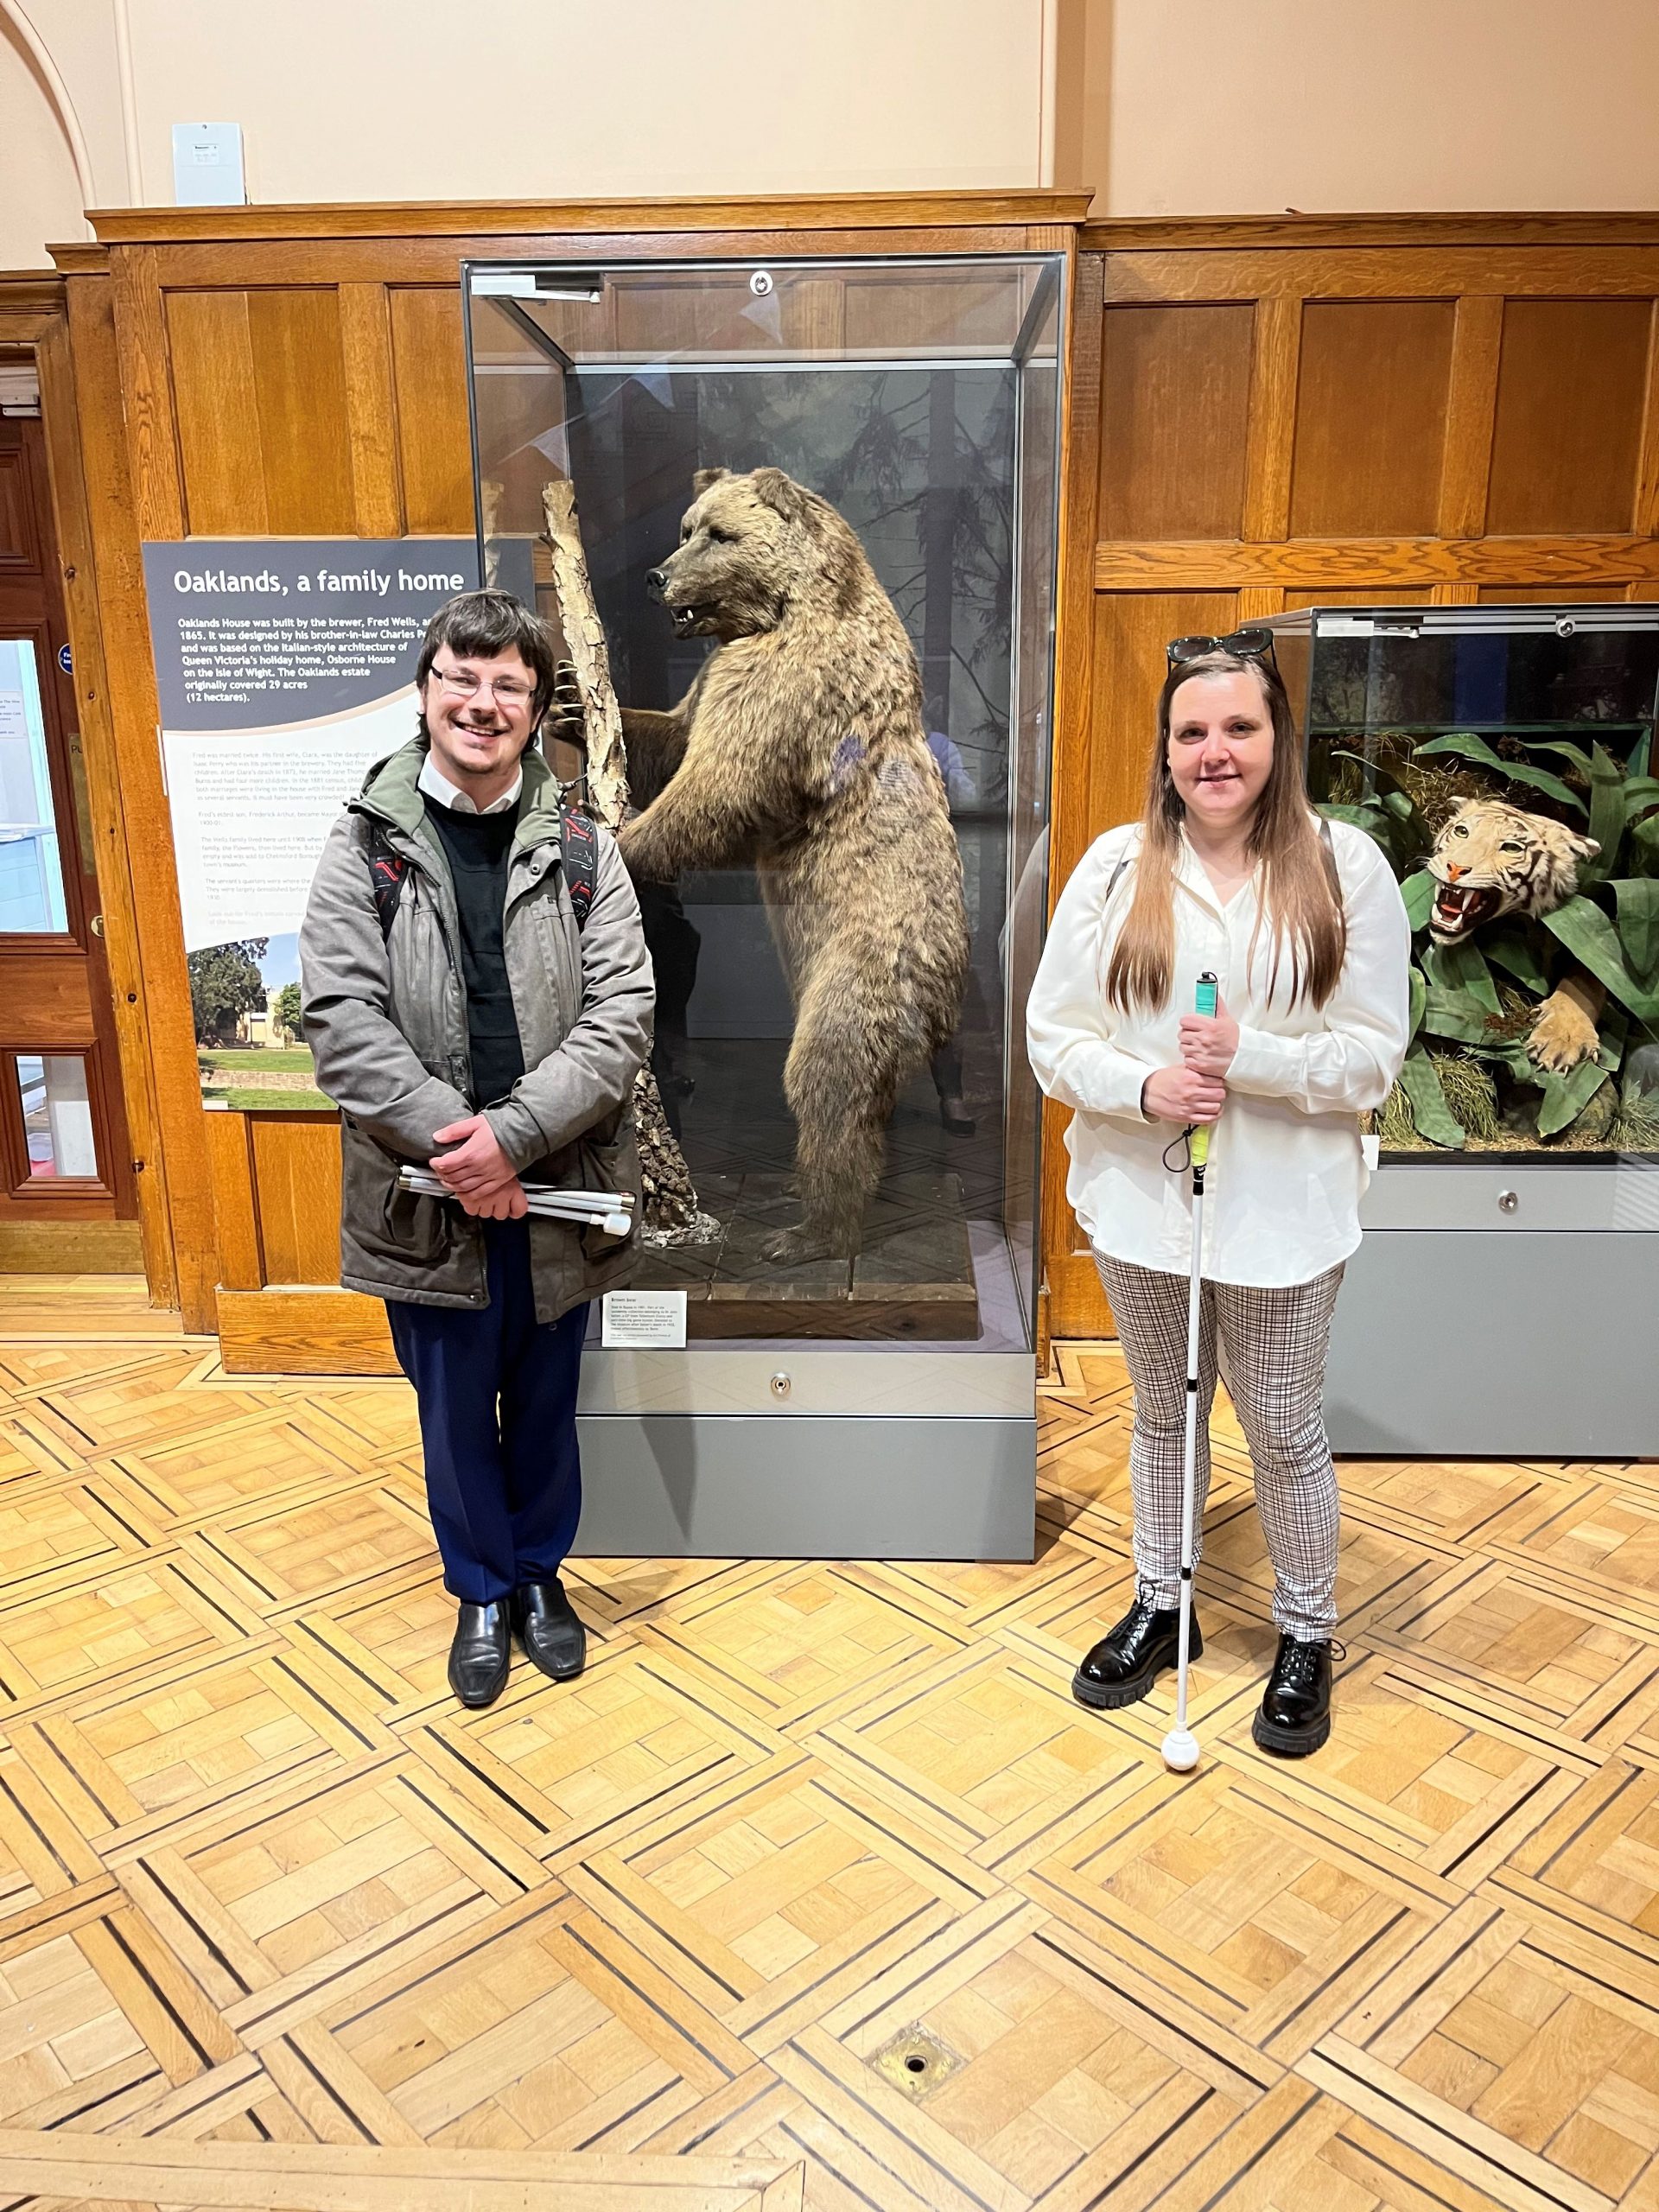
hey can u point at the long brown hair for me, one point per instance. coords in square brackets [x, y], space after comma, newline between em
[1301, 895]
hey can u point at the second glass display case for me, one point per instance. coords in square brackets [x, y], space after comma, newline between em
[842, 876]
[1502, 757]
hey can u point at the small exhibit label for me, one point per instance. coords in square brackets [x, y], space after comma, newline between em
[635, 1319]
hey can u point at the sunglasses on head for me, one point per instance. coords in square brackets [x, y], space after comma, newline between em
[1246, 644]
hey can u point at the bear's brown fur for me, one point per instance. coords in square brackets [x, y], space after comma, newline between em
[800, 749]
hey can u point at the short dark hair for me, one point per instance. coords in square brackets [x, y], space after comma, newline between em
[485, 625]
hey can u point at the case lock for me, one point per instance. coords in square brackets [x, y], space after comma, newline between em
[779, 1386]
[1508, 1201]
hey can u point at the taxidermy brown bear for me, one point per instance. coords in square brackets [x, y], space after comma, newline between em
[800, 749]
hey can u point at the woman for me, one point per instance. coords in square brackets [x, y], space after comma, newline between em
[1227, 870]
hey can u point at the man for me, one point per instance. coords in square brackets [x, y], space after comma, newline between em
[464, 1014]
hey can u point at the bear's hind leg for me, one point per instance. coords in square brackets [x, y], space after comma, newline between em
[841, 1080]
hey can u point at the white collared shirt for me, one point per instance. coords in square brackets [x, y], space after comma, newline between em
[437, 786]
[1286, 1170]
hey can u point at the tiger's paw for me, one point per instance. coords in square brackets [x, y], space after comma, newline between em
[1563, 1036]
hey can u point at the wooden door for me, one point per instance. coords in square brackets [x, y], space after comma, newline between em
[67, 1200]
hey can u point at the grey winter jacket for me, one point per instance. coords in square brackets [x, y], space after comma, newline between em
[386, 1018]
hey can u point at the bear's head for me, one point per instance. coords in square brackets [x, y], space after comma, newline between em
[751, 547]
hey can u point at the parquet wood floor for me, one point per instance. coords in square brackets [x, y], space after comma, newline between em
[818, 1891]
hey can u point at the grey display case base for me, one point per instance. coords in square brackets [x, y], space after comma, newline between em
[835, 1487]
[1508, 1344]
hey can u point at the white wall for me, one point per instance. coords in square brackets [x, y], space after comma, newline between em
[39, 197]
[1203, 107]
[1165, 106]
[423, 100]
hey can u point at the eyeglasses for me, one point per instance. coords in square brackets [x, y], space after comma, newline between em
[1246, 644]
[505, 690]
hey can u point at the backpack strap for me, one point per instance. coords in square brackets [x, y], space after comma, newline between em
[387, 872]
[580, 860]
[389, 869]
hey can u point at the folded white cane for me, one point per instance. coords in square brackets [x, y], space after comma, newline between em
[611, 1210]
[1181, 1745]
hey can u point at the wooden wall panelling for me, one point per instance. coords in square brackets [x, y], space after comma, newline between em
[258, 381]
[60, 409]
[285, 1331]
[1382, 561]
[235, 1205]
[1572, 389]
[434, 442]
[510, 223]
[1275, 369]
[1174, 413]
[296, 1174]
[221, 463]
[157, 976]
[433, 262]
[144, 391]
[372, 414]
[1471, 401]
[1385, 273]
[300, 377]
[1370, 400]
[1646, 516]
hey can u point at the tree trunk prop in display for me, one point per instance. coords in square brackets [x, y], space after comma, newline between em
[670, 1211]
[489, 493]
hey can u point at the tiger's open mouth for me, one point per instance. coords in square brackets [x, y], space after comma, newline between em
[1460, 907]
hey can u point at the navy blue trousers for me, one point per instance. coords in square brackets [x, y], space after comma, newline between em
[498, 1401]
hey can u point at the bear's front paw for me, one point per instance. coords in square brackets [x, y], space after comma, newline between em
[1563, 1036]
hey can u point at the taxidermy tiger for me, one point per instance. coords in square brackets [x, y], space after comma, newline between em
[1491, 860]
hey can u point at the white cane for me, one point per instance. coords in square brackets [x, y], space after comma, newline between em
[1181, 1745]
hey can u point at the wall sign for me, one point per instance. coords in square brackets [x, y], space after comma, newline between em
[284, 668]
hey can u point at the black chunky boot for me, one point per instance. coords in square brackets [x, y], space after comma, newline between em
[479, 1655]
[546, 1621]
[1124, 1665]
[1295, 1715]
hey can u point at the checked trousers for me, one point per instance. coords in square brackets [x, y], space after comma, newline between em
[1271, 1345]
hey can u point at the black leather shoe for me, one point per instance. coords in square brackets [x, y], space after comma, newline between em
[479, 1655]
[1295, 1715]
[1123, 1666]
[554, 1639]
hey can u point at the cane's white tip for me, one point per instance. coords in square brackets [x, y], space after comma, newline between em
[1181, 1750]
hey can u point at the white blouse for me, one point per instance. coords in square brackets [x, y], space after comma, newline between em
[1286, 1168]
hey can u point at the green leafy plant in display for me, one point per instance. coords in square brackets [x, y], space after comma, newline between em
[1468, 1076]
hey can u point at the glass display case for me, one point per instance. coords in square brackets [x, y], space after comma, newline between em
[914, 401]
[1502, 757]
